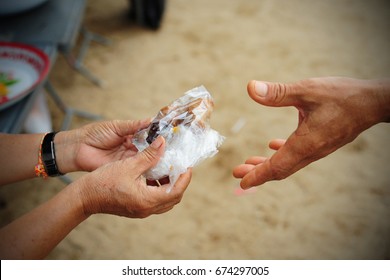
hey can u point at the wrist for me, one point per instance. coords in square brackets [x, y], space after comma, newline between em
[376, 98]
[383, 99]
[66, 150]
[88, 194]
[77, 199]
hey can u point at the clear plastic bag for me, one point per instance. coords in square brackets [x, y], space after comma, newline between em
[189, 138]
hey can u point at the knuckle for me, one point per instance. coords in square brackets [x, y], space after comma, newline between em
[278, 172]
[280, 91]
[178, 199]
[148, 155]
[141, 213]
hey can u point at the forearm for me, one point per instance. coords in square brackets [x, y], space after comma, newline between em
[35, 234]
[18, 156]
[367, 102]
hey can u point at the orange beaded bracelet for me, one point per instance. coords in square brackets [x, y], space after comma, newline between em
[40, 168]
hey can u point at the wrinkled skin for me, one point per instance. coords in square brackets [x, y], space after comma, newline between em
[332, 112]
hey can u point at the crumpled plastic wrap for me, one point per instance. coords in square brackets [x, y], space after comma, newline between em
[189, 138]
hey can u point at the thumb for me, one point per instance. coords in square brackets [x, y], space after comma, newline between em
[274, 94]
[150, 156]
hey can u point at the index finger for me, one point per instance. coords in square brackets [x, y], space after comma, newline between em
[126, 127]
[182, 183]
[168, 191]
[291, 157]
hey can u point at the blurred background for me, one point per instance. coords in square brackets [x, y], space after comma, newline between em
[336, 208]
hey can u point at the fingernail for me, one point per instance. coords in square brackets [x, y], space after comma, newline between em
[157, 143]
[261, 89]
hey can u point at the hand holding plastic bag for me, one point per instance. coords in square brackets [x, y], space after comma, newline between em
[189, 139]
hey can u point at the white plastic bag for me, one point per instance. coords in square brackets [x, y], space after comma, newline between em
[189, 139]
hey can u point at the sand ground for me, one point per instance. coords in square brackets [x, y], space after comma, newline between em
[336, 208]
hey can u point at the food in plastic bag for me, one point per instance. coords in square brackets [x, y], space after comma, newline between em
[189, 139]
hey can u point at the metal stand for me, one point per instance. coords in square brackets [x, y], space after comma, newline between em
[76, 62]
[69, 113]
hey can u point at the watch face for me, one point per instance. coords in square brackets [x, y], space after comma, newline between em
[49, 156]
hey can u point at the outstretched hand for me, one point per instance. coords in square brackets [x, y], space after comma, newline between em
[331, 113]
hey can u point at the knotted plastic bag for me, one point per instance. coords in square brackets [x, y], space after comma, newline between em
[189, 138]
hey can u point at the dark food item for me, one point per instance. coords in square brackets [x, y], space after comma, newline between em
[152, 134]
[178, 113]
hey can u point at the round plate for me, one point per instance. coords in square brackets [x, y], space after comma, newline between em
[22, 68]
[12, 7]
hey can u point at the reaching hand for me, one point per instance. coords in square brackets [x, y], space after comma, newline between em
[331, 113]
